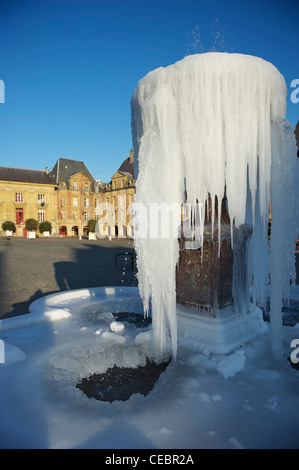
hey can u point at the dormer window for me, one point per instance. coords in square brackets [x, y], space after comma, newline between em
[75, 185]
[86, 187]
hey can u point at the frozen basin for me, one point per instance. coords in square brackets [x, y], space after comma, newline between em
[196, 331]
[103, 341]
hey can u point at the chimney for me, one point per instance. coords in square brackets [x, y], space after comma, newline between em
[131, 156]
[47, 170]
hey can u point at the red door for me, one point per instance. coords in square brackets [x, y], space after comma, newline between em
[19, 216]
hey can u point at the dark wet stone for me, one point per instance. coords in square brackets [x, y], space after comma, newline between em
[119, 383]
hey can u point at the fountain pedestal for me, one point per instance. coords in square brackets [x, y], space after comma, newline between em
[204, 279]
[213, 309]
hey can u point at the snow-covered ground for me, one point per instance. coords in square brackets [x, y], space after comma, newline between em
[247, 399]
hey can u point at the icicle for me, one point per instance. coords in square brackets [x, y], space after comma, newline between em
[205, 120]
[219, 226]
[213, 214]
[283, 226]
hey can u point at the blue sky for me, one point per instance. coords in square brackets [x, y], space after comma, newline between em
[70, 67]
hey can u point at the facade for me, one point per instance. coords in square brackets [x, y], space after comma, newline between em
[119, 195]
[26, 194]
[78, 196]
[68, 196]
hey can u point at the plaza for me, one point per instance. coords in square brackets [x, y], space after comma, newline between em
[32, 268]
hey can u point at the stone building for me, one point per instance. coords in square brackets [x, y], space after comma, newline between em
[68, 196]
[78, 196]
[26, 194]
[119, 195]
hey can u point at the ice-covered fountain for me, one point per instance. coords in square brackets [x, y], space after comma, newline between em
[211, 128]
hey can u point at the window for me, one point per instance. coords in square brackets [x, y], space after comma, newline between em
[62, 201]
[121, 217]
[63, 215]
[96, 203]
[75, 215]
[114, 201]
[41, 215]
[96, 216]
[122, 183]
[19, 197]
[114, 184]
[86, 216]
[75, 201]
[75, 185]
[86, 186]
[122, 200]
[86, 202]
[41, 198]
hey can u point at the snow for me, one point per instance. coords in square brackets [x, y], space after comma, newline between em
[12, 355]
[116, 326]
[245, 399]
[221, 336]
[211, 123]
[231, 365]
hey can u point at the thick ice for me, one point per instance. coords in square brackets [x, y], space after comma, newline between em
[200, 401]
[210, 121]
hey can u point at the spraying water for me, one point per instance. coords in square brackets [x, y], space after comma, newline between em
[214, 124]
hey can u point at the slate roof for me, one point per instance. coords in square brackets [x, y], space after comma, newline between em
[65, 168]
[127, 167]
[25, 176]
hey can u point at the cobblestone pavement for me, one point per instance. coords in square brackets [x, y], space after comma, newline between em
[30, 269]
[33, 268]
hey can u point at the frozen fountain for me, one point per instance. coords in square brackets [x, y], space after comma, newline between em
[212, 128]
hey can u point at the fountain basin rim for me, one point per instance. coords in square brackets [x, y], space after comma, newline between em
[51, 308]
[94, 293]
